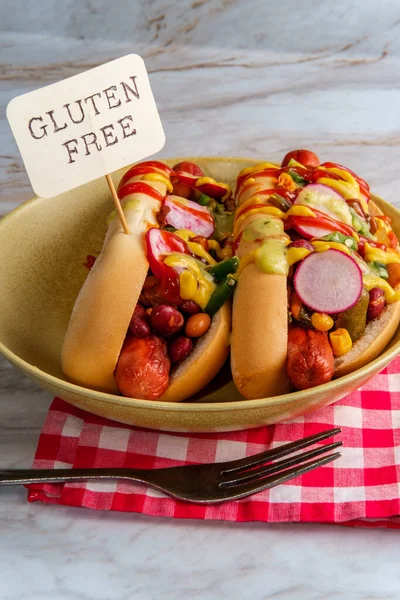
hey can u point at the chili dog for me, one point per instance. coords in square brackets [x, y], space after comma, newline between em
[152, 320]
[319, 276]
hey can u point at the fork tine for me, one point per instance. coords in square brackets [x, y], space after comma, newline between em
[256, 474]
[258, 459]
[248, 489]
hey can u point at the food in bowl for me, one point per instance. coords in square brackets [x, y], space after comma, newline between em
[312, 263]
[152, 320]
[317, 294]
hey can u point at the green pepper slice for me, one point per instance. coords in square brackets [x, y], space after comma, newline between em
[340, 238]
[223, 291]
[379, 269]
[224, 268]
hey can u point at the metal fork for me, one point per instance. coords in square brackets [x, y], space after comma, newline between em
[207, 483]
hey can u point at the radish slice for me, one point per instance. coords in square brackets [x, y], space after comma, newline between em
[309, 232]
[325, 199]
[159, 244]
[328, 282]
[185, 178]
[212, 189]
[185, 214]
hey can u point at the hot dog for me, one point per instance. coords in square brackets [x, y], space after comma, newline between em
[319, 276]
[152, 320]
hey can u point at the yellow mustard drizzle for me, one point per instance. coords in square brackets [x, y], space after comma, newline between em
[377, 255]
[348, 177]
[213, 245]
[296, 254]
[187, 285]
[204, 180]
[205, 286]
[343, 174]
[298, 210]
[343, 187]
[201, 252]
[250, 201]
[257, 168]
[186, 235]
[372, 281]
[158, 177]
[322, 246]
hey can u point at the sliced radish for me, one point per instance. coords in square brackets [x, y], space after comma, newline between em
[325, 199]
[185, 178]
[185, 214]
[159, 244]
[309, 232]
[214, 189]
[328, 282]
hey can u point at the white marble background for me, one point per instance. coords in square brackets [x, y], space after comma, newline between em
[230, 78]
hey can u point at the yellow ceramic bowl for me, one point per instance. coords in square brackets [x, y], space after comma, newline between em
[43, 244]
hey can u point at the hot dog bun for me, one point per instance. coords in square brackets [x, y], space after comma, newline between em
[377, 334]
[206, 360]
[105, 304]
[259, 334]
[260, 316]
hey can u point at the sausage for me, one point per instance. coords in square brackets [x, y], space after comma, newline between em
[310, 359]
[143, 368]
[305, 157]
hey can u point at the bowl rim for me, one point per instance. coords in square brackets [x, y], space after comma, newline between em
[374, 366]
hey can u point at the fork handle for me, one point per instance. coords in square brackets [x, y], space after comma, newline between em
[25, 476]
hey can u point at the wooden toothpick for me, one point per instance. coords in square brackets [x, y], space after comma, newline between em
[117, 203]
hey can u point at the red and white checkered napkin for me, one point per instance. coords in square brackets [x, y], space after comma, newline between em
[362, 488]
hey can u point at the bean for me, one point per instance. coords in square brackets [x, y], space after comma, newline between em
[139, 325]
[376, 303]
[197, 325]
[189, 307]
[166, 320]
[302, 244]
[180, 348]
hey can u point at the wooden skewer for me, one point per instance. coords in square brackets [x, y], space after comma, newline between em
[117, 203]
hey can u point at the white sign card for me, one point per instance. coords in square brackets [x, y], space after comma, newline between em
[86, 126]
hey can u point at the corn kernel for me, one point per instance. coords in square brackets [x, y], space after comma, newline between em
[225, 253]
[321, 321]
[340, 341]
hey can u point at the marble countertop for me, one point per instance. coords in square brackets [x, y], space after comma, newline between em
[230, 78]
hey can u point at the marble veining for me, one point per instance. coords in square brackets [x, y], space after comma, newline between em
[230, 78]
